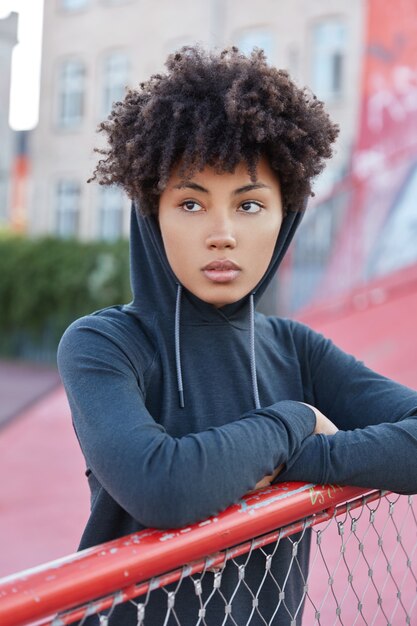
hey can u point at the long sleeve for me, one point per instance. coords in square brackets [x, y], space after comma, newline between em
[162, 481]
[376, 445]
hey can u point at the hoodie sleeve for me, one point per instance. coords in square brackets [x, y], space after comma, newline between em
[376, 445]
[162, 481]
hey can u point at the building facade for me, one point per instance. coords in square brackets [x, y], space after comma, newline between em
[93, 49]
[8, 39]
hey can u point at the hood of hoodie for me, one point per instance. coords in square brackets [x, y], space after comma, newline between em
[156, 290]
[155, 286]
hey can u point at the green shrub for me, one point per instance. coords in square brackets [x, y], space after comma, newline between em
[46, 283]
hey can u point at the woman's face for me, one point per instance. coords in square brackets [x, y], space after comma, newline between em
[219, 230]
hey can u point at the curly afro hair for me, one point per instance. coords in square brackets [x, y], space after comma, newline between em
[215, 109]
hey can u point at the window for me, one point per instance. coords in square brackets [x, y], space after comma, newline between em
[396, 246]
[256, 39]
[68, 195]
[328, 58]
[74, 5]
[115, 79]
[71, 84]
[110, 213]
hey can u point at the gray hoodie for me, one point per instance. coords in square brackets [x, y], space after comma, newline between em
[180, 408]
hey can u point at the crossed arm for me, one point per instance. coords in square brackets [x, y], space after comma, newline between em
[133, 457]
[323, 426]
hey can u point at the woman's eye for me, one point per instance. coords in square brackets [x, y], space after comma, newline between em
[250, 207]
[190, 206]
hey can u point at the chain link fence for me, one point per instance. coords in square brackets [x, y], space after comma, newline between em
[362, 570]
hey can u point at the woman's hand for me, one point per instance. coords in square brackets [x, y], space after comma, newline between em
[324, 426]
[267, 480]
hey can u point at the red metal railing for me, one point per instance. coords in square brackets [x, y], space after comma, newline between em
[121, 569]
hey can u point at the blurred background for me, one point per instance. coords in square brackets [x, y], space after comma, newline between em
[352, 270]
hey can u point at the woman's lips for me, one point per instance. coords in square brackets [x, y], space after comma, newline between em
[224, 271]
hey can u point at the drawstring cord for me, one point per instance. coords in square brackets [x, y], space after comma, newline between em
[177, 346]
[178, 350]
[252, 353]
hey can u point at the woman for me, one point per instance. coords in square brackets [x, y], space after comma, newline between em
[186, 399]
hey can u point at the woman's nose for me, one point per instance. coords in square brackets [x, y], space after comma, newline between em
[221, 232]
[221, 239]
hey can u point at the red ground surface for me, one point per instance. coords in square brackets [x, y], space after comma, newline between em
[377, 325]
[43, 493]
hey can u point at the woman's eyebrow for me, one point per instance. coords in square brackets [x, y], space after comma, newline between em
[244, 189]
[250, 187]
[191, 185]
